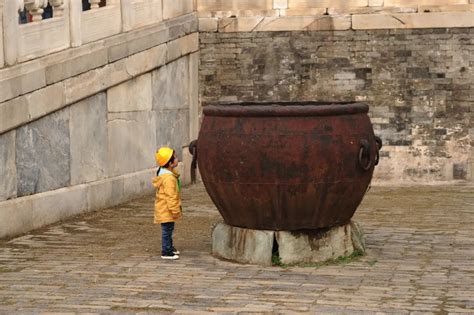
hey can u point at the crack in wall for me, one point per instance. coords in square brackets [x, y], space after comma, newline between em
[398, 19]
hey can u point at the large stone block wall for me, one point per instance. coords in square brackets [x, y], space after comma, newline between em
[84, 136]
[419, 85]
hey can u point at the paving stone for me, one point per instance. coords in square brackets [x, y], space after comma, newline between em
[419, 259]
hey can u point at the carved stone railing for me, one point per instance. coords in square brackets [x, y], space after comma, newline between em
[27, 41]
[94, 4]
[58, 7]
[36, 8]
[70, 26]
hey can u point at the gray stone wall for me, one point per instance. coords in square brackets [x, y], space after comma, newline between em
[112, 133]
[77, 135]
[419, 85]
[60, 155]
[97, 152]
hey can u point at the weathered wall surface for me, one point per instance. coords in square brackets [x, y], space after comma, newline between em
[419, 85]
[79, 129]
[297, 15]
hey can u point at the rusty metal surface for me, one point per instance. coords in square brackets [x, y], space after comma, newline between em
[284, 109]
[272, 167]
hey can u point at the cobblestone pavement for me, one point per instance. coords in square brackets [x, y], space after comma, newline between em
[420, 259]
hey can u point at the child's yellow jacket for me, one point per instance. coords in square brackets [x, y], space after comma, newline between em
[168, 200]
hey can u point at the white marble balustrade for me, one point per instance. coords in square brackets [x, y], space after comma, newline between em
[70, 26]
[27, 41]
[36, 8]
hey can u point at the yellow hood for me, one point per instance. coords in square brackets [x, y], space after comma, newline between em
[158, 180]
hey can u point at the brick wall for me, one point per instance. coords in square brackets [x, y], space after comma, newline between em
[419, 85]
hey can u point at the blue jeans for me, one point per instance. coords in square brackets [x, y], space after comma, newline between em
[167, 238]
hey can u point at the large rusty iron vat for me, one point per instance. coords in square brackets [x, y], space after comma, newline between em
[287, 166]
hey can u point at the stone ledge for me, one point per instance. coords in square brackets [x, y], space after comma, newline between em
[374, 7]
[413, 20]
[31, 106]
[219, 5]
[255, 246]
[400, 3]
[238, 13]
[29, 76]
[76, 88]
[21, 79]
[21, 215]
[372, 10]
[303, 12]
[339, 20]
[205, 7]
[275, 24]
[208, 24]
[327, 3]
[446, 8]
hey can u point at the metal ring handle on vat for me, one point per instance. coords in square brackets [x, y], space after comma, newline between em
[364, 151]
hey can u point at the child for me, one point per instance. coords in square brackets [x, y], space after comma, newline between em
[168, 201]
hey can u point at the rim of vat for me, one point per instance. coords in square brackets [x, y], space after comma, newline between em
[287, 109]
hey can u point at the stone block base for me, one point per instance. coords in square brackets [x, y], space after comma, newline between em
[310, 246]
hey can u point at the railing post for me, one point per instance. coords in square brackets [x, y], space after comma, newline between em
[94, 4]
[75, 22]
[58, 7]
[127, 15]
[11, 22]
[35, 8]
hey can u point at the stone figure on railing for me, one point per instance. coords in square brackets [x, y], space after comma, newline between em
[36, 8]
[92, 4]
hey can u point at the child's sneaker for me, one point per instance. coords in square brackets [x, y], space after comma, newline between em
[175, 251]
[170, 256]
